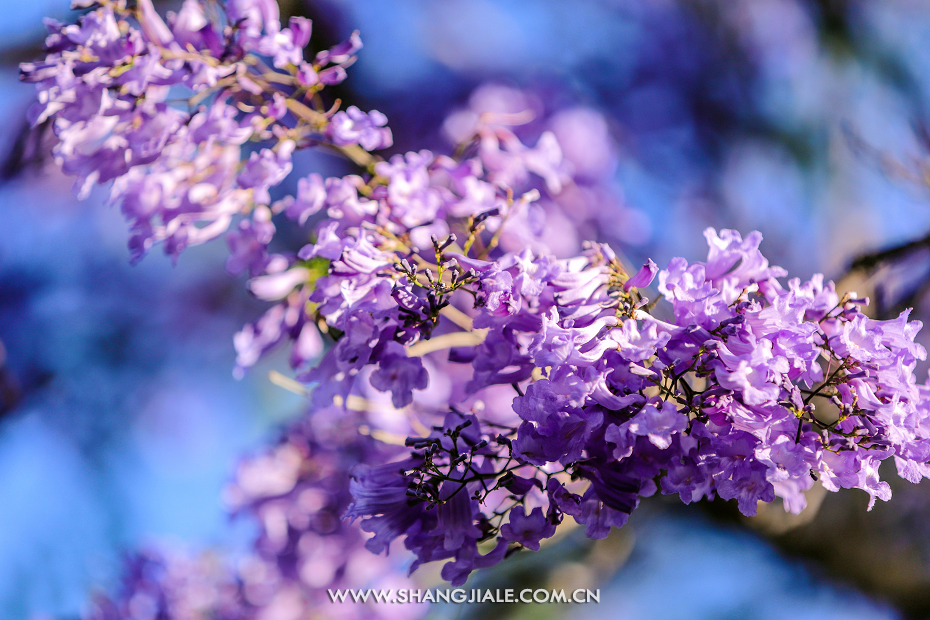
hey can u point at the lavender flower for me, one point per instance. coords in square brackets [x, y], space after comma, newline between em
[161, 113]
[356, 127]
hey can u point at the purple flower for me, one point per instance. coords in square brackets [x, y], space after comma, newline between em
[342, 52]
[689, 480]
[643, 277]
[356, 127]
[456, 572]
[544, 398]
[279, 283]
[281, 321]
[734, 263]
[311, 197]
[265, 170]
[286, 46]
[636, 344]
[248, 246]
[748, 485]
[252, 16]
[152, 24]
[527, 529]
[412, 199]
[455, 517]
[192, 27]
[861, 340]
[583, 346]
[379, 494]
[754, 371]
[659, 424]
[399, 375]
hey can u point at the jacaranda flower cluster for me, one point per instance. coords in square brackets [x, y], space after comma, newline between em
[471, 390]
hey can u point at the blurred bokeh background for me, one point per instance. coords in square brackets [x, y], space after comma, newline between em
[804, 119]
